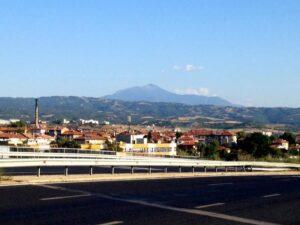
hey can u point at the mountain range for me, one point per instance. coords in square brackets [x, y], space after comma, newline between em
[148, 113]
[153, 93]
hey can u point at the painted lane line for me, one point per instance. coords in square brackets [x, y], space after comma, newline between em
[184, 210]
[201, 213]
[65, 197]
[270, 195]
[220, 184]
[112, 223]
[210, 205]
[62, 189]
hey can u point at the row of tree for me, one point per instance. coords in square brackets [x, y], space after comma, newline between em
[255, 145]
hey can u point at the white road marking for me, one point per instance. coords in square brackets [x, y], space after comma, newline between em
[220, 184]
[112, 223]
[62, 189]
[210, 205]
[65, 197]
[271, 195]
[176, 209]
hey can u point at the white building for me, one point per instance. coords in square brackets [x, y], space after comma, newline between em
[138, 143]
[91, 121]
[4, 122]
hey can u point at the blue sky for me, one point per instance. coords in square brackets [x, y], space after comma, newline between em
[245, 51]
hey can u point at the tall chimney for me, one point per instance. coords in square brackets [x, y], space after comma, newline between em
[36, 115]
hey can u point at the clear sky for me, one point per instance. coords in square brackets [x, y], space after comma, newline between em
[245, 51]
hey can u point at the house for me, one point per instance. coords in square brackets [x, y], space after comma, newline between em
[187, 142]
[37, 131]
[12, 139]
[4, 122]
[40, 141]
[138, 143]
[129, 138]
[71, 134]
[57, 131]
[95, 122]
[91, 141]
[280, 144]
[208, 136]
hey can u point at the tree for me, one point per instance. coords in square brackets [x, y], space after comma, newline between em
[201, 149]
[178, 135]
[211, 150]
[290, 137]
[256, 144]
[18, 124]
[113, 146]
[65, 143]
[241, 135]
[57, 122]
[149, 136]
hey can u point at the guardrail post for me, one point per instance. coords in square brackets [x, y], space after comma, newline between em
[226, 169]
[236, 168]
[205, 169]
[244, 169]
[193, 169]
[179, 169]
[150, 169]
[132, 169]
[166, 169]
[112, 170]
[38, 171]
[91, 170]
[216, 169]
[66, 171]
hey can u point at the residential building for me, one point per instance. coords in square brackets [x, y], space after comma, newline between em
[91, 121]
[280, 144]
[91, 141]
[12, 139]
[138, 143]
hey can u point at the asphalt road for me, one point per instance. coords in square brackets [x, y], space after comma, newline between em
[221, 200]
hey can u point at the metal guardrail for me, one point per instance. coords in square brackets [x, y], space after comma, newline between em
[89, 151]
[26, 157]
[19, 159]
[61, 150]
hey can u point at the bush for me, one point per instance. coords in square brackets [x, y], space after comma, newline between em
[65, 143]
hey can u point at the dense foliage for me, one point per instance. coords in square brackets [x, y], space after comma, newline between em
[65, 143]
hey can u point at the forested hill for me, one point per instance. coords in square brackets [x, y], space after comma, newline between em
[116, 111]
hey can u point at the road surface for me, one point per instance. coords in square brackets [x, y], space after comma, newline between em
[216, 200]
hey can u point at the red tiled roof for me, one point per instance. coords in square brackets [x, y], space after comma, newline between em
[72, 132]
[10, 135]
[90, 137]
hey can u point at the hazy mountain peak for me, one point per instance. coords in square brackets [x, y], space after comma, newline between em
[151, 86]
[154, 93]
